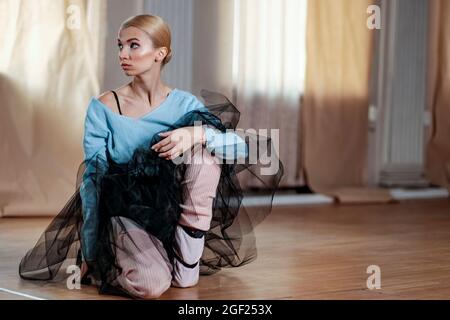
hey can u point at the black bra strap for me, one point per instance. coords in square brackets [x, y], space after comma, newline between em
[117, 100]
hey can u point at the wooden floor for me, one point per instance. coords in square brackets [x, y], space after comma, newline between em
[316, 252]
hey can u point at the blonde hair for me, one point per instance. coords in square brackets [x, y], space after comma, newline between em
[156, 28]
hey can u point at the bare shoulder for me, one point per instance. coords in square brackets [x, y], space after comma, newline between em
[107, 98]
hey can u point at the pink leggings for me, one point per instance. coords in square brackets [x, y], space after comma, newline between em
[147, 272]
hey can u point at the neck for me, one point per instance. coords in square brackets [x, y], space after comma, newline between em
[149, 87]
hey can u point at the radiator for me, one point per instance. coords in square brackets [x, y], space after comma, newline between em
[400, 99]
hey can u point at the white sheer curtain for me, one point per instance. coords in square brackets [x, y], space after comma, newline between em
[269, 61]
[51, 63]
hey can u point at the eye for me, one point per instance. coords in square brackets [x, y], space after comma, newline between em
[134, 45]
[120, 46]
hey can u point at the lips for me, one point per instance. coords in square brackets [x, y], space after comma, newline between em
[125, 65]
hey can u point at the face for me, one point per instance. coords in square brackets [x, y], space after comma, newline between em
[136, 52]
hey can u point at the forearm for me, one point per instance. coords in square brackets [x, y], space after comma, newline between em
[226, 145]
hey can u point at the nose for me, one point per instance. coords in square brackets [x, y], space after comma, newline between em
[123, 54]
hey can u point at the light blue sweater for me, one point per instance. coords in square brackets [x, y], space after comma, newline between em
[106, 131]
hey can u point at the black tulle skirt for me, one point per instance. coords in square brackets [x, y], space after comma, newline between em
[147, 190]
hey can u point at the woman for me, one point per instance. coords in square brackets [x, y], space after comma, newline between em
[154, 207]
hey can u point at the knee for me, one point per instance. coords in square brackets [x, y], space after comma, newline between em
[206, 160]
[210, 165]
[146, 281]
[152, 288]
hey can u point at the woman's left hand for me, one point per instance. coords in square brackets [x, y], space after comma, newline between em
[178, 141]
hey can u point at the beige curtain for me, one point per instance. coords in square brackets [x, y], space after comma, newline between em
[438, 147]
[334, 119]
[50, 65]
[268, 76]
